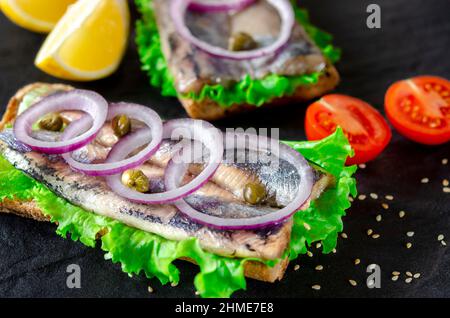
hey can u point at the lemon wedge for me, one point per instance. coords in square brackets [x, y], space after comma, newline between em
[35, 15]
[88, 42]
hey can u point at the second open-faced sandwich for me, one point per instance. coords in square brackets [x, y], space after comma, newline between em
[227, 56]
[153, 192]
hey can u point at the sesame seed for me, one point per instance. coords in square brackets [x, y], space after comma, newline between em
[369, 232]
[309, 254]
[408, 245]
[440, 237]
[416, 275]
[361, 197]
[378, 218]
[344, 235]
[444, 161]
[334, 251]
[389, 197]
[318, 245]
[315, 287]
[296, 267]
[395, 273]
[374, 196]
[446, 189]
[150, 289]
[197, 292]
[408, 280]
[174, 284]
[443, 243]
[425, 180]
[357, 261]
[409, 274]
[385, 206]
[307, 226]
[401, 214]
[410, 234]
[350, 199]
[445, 182]
[352, 282]
[394, 278]
[375, 236]
[319, 267]
[362, 166]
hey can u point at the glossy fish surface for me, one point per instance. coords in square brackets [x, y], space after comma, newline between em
[193, 68]
[93, 194]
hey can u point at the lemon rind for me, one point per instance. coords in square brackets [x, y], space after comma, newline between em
[52, 59]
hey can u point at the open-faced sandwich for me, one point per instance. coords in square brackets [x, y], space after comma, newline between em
[225, 56]
[118, 174]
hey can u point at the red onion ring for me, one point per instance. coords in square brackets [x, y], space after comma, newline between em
[151, 136]
[86, 101]
[174, 170]
[219, 5]
[196, 130]
[178, 10]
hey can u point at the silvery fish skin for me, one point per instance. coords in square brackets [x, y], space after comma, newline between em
[93, 194]
[281, 182]
[193, 68]
[217, 197]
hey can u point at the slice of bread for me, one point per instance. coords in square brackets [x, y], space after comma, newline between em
[29, 209]
[210, 110]
[192, 69]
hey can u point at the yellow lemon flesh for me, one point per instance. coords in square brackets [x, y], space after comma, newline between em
[35, 15]
[88, 42]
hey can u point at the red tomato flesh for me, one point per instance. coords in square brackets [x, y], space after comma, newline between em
[419, 108]
[365, 128]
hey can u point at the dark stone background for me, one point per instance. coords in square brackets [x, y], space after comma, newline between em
[414, 39]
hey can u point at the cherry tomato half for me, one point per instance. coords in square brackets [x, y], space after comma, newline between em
[366, 129]
[419, 108]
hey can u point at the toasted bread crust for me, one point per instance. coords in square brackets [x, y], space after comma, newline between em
[29, 209]
[210, 110]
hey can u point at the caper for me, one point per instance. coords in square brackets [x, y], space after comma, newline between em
[136, 179]
[241, 41]
[121, 125]
[254, 193]
[51, 122]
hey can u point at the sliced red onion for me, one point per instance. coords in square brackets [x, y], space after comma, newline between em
[178, 10]
[86, 101]
[255, 143]
[208, 6]
[196, 130]
[151, 137]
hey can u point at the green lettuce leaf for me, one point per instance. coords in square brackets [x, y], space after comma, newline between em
[247, 91]
[322, 221]
[139, 251]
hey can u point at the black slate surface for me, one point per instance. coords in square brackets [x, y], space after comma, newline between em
[414, 39]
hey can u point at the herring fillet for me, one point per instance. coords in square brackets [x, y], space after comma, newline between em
[93, 194]
[192, 68]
